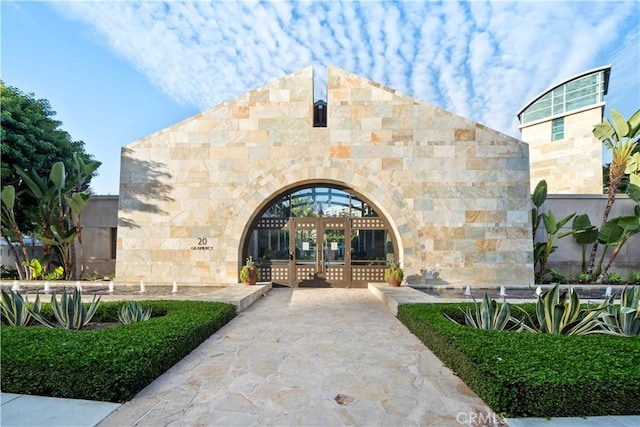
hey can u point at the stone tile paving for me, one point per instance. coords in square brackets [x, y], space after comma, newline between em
[307, 357]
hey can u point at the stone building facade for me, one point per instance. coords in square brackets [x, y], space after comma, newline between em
[558, 126]
[452, 194]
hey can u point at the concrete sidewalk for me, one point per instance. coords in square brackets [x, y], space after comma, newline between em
[37, 411]
[306, 357]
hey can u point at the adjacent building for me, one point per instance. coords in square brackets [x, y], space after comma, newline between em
[558, 124]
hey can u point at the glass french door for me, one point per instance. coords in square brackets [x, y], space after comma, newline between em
[320, 252]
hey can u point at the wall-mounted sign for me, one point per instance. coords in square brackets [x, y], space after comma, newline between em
[305, 246]
[201, 245]
[334, 246]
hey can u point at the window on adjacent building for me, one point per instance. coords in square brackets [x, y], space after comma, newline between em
[113, 234]
[573, 95]
[557, 129]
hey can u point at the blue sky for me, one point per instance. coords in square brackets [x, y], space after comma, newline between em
[120, 70]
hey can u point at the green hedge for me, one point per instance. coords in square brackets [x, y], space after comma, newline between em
[533, 375]
[109, 364]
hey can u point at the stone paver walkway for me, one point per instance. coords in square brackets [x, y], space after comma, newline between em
[306, 357]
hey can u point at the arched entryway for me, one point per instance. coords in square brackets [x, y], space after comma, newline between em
[320, 235]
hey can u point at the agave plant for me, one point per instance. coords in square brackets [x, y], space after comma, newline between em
[625, 318]
[14, 310]
[560, 313]
[488, 315]
[132, 312]
[70, 312]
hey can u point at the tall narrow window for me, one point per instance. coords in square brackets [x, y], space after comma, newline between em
[113, 234]
[557, 129]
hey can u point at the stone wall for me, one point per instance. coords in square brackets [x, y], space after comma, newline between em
[568, 256]
[572, 165]
[455, 192]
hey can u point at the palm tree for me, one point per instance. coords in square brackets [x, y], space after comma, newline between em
[621, 137]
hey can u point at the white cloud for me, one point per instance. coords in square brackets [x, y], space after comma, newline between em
[481, 60]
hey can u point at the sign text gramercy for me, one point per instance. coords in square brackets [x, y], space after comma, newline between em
[201, 245]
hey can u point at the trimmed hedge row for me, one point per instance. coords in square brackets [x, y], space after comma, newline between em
[531, 374]
[111, 364]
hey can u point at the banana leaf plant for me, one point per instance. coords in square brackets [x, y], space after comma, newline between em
[625, 227]
[538, 198]
[542, 250]
[62, 241]
[585, 234]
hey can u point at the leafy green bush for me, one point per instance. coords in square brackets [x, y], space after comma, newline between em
[556, 276]
[110, 364]
[613, 278]
[8, 273]
[583, 278]
[533, 375]
[633, 278]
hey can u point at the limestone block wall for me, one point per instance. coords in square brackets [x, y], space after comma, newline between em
[572, 165]
[455, 192]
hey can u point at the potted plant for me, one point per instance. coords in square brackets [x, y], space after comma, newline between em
[393, 274]
[249, 273]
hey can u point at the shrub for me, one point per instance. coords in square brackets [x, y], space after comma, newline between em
[556, 276]
[584, 278]
[110, 364]
[613, 278]
[533, 375]
[633, 278]
[8, 273]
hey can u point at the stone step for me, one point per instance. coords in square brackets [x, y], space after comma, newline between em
[240, 295]
[393, 296]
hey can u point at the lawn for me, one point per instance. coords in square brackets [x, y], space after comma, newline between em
[110, 364]
[533, 375]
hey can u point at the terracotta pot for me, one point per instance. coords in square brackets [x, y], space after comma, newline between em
[253, 277]
[392, 280]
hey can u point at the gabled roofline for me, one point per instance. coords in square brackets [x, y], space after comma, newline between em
[605, 68]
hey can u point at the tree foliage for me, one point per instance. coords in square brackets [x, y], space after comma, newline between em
[45, 179]
[32, 140]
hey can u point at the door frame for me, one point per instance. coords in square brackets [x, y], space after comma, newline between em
[319, 272]
[359, 271]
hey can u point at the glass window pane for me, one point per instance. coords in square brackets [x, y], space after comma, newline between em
[269, 245]
[557, 129]
[370, 247]
[334, 247]
[316, 202]
[306, 246]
